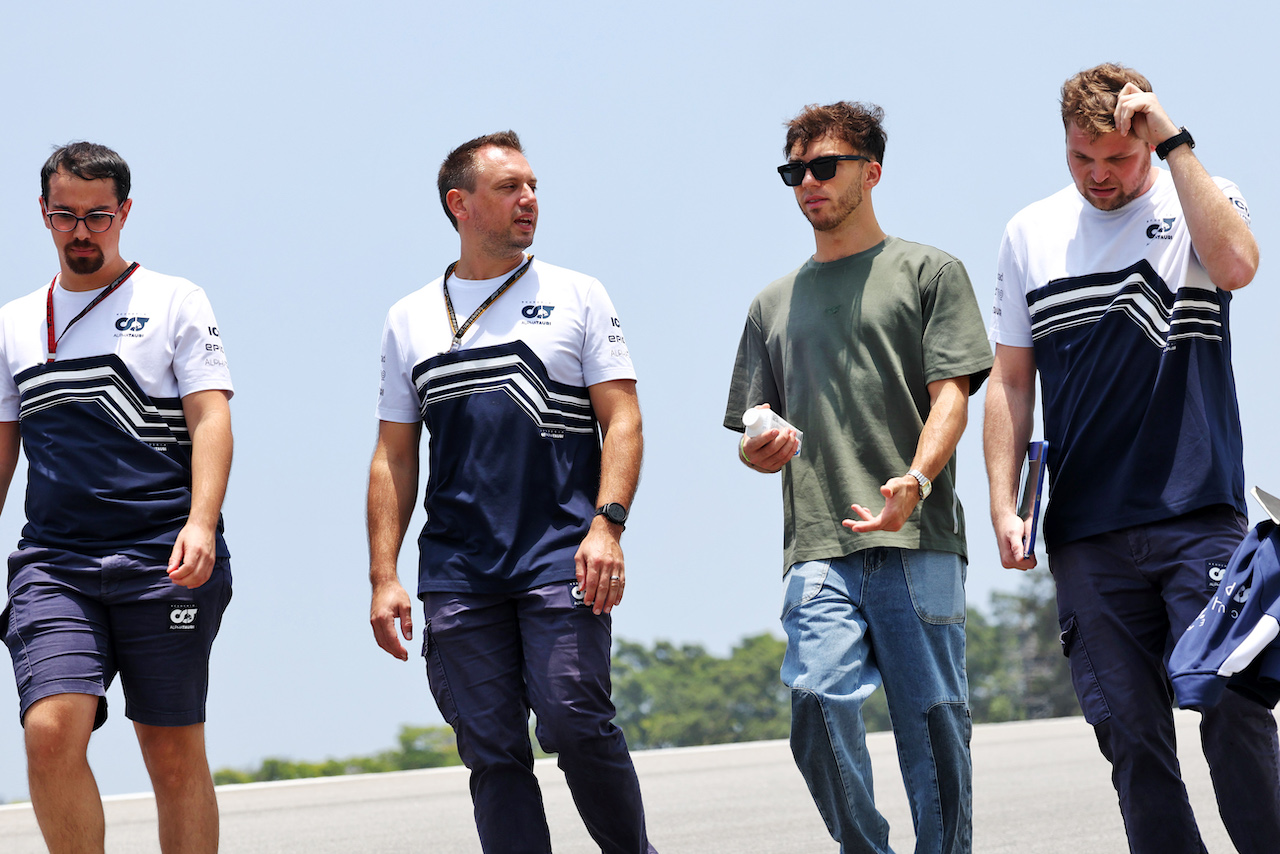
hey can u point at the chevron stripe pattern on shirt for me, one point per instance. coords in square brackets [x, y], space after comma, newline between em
[106, 383]
[1136, 293]
[109, 467]
[553, 411]
[513, 470]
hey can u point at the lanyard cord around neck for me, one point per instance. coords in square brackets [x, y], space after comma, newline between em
[48, 309]
[458, 332]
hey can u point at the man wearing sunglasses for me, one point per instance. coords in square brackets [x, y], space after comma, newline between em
[115, 384]
[1116, 290]
[520, 373]
[871, 348]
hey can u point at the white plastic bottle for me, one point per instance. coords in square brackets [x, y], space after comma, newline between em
[759, 420]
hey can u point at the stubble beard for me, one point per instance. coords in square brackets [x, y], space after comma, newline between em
[843, 209]
[506, 245]
[1116, 203]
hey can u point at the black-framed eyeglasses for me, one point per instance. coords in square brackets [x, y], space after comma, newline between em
[823, 168]
[97, 222]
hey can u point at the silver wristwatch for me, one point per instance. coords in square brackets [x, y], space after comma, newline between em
[926, 485]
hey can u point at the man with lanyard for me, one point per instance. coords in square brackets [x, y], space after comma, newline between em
[1116, 289]
[116, 386]
[871, 348]
[520, 564]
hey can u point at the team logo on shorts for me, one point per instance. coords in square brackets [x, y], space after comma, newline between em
[182, 617]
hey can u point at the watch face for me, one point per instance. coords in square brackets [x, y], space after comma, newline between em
[615, 513]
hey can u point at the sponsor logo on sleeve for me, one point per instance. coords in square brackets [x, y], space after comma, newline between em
[1242, 209]
[1230, 599]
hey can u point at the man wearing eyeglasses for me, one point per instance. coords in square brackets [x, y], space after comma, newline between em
[116, 385]
[521, 374]
[871, 349]
[1116, 290]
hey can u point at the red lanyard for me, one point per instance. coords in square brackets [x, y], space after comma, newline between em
[48, 309]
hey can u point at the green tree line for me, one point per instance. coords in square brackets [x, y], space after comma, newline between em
[672, 695]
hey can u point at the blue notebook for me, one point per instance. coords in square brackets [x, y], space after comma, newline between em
[1033, 475]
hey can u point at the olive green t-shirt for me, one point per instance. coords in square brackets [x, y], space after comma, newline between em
[845, 350]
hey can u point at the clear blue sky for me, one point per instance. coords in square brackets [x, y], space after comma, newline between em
[278, 150]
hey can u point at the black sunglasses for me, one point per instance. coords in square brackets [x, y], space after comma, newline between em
[823, 168]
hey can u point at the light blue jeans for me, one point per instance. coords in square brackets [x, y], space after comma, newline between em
[893, 617]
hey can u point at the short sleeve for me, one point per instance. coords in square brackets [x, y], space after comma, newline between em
[199, 359]
[397, 397]
[10, 399]
[954, 341]
[605, 353]
[1010, 316]
[1233, 194]
[753, 380]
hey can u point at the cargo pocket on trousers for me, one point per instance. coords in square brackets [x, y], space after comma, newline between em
[1088, 692]
[436, 678]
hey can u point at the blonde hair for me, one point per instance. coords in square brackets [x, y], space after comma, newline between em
[1089, 98]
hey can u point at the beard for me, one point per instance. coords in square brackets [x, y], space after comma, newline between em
[837, 212]
[1117, 202]
[502, 245]
[83, 265]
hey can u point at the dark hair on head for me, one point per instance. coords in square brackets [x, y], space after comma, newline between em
[1089, 98]
[459, 170]
[89, 161]
[856, 123]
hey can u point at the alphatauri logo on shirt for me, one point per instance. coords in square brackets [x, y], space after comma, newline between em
[128, 326]
[1161, 229]
[539, 315]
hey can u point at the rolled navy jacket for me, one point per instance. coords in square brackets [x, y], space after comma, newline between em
[1235, 641]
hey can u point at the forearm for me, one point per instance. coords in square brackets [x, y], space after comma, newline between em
[948, 417]
[393, 488]
[621, 454]
[1007, 425]
[10, 442]
[1222, 239]
[211, 451]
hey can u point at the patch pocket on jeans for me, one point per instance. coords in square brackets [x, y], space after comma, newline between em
[802, 582]
[935, 581]
[436, 678]
[1088, 691]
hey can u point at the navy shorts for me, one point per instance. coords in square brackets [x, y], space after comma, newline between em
[74, 621]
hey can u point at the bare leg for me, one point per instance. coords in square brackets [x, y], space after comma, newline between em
[64, 794]
[185, 800]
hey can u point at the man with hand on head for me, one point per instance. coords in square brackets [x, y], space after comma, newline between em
[1116, 290]
[520, 372]
[871, 348]
[116, 385]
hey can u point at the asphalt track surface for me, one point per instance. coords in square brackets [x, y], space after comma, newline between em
[1040, 787]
